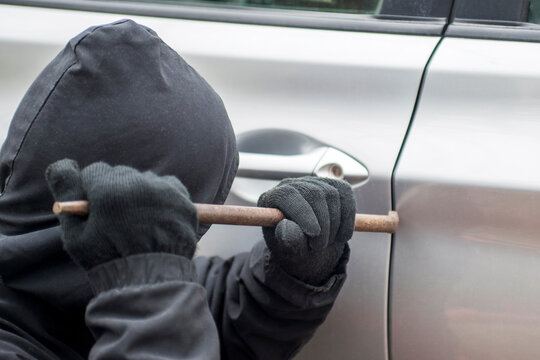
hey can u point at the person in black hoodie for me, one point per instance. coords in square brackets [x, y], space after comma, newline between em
[150, 136]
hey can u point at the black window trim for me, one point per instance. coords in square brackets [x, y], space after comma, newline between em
[257, 16]
[506, 32]
[463, 25]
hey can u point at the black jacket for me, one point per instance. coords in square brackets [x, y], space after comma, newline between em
[118, 94]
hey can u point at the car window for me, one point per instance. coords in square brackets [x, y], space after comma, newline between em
[534, 12]
[418, 17]
[496, 19]
[348, 6]
[501, 12]
[492, 10]
[418, 8]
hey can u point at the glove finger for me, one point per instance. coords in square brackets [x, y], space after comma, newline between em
[64, 180]
[315, 196]
[94, 175]
[111, 188]
[289, 241]
[348, 208]
[107, 188]
[294, 206]
[177, 196]
[333, 204]
[105, 191]
[114, 192]
[86, 253]
[175, 184]
[172, 193]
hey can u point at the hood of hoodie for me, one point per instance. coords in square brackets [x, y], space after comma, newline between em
[116, 93]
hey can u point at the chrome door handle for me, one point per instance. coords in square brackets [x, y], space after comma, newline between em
[269, 155]
[277, 167]
[322, 161]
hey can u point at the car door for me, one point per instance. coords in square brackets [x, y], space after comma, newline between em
[466, 259]
[300, 82]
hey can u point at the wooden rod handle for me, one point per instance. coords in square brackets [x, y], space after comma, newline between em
[248, 215]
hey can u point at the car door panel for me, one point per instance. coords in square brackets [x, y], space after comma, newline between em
[465, 269]
[353, 91]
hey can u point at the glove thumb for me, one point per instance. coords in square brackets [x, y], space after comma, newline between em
[64, 179]
[289, 241]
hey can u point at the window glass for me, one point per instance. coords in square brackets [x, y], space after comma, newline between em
[496, 19]
[492, 11]
[534, 11]
[344, 6]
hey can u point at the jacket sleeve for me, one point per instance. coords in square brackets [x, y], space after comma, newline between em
[260, 311]
[149, 307]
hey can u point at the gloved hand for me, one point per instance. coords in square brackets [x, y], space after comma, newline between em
[319, 221]
[130, 212]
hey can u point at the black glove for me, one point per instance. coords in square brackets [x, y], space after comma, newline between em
[130, 212]
[319, 221]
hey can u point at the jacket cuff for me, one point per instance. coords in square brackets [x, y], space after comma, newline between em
[292, 289]
[141, 269]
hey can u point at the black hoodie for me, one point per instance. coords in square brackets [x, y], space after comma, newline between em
[118, 94]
